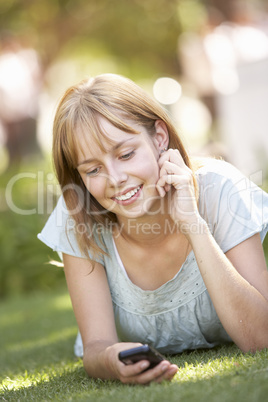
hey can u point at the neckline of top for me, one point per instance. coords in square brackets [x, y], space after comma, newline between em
[125, 275]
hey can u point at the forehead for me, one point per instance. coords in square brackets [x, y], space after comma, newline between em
[91, 141]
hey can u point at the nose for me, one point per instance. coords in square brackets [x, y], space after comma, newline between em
[116, 175]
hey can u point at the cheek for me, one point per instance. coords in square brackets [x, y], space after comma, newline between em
[150, 169]
[95, 187]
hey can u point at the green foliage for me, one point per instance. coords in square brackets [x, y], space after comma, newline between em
[37, 363]
[23, 212]
[192, 14]
[137, 32]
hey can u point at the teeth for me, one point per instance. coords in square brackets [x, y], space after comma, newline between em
[128, 195]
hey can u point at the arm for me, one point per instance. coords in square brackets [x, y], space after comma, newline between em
[238, 281]
[238, 286]
[92, 304]
[92, 307]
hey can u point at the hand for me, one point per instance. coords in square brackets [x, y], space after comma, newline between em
[176, 180]
[134, 373]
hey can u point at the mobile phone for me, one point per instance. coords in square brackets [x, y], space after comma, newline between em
[144, 352]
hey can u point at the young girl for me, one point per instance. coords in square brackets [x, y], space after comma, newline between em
[157, 248]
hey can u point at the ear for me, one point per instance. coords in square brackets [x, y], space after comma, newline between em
[161, 135]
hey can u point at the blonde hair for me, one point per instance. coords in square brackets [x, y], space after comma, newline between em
[111, 96]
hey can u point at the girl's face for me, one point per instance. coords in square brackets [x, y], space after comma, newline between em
[121, 177]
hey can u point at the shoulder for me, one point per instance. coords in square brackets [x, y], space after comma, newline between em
[219, 180]
[61, 233]
[234, 207]
[218, 170]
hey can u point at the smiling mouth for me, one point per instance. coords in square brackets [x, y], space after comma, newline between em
[128, 195]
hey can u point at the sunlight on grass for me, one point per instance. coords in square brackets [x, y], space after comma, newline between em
[236, 366]
[218, 367]
[37, 363]
[27, 379]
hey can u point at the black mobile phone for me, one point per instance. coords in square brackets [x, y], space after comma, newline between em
[144, 352]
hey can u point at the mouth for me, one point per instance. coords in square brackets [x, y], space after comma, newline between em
[129, 196]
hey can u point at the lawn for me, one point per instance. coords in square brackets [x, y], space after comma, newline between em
[37, 362]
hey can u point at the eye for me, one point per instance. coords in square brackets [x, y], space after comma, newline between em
[127, 156]
[93, 172]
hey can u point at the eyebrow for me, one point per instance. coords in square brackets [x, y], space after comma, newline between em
[114, 148]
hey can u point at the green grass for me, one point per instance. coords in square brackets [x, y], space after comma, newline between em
[37, 363]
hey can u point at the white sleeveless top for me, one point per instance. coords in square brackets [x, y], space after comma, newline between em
[179, 315]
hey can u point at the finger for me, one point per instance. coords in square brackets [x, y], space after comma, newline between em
[156, 373]
[170, 162]
[130, 370]
[163, 185]
[172, 155]
[164, 371]
[168, 374]
[174, 168]
[167, 168]
[172, 175]
[177, 181]
[142, 377]
[162, 188]
[132, 373]
[167, 187]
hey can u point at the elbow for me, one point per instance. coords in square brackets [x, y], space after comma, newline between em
[253, 344]
[252, 335]
[251, 348]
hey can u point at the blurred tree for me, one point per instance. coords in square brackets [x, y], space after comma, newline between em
[235, 10]
[129, 29]
[143, 30]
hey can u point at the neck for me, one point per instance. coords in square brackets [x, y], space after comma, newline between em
[150, 229]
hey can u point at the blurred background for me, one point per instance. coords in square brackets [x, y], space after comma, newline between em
[206, 61]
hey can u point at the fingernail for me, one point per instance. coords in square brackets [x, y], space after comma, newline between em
[164, 367]
[144, 365]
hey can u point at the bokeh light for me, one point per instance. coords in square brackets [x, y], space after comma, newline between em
[167, 90]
